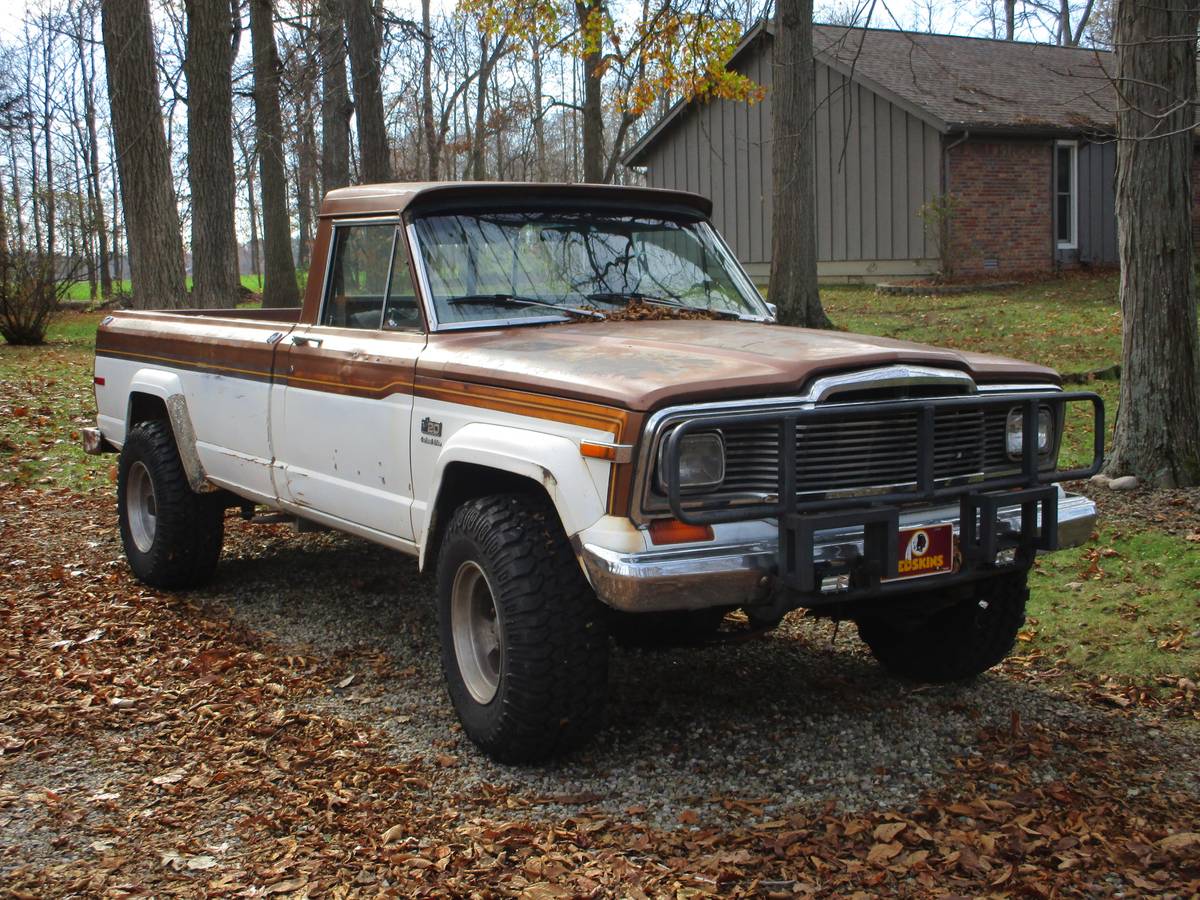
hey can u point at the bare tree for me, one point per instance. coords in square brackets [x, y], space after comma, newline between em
[211, 36]
[83, 27]
[143, 162]
[279, 283]
[362, 30]
[1158, 425]
[794, 240]
[335, 98]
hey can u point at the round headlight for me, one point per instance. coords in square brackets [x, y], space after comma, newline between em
[1014, 432]
[701, 462]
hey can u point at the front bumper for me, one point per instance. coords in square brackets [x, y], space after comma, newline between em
[737, 573]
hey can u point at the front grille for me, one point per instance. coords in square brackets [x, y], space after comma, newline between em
[866, 454]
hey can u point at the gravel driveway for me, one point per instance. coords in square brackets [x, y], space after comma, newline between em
[795, 719]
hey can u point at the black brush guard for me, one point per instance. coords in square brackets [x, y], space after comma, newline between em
[982, 535]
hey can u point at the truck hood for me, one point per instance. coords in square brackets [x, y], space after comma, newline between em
[641, 365]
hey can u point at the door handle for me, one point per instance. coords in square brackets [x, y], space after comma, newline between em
[301, 340]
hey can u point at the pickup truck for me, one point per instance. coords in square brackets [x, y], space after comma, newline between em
[571, 402]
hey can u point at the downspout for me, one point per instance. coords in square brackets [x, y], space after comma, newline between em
[946, 176]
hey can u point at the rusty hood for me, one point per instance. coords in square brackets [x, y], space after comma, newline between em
[641, 365]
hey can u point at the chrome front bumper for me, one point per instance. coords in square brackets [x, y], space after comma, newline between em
[733, 574]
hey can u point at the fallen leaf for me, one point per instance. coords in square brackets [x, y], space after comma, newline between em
[888, 830]
[391, 834]
[200, 863]
[1180, 840]
[881, 853]
[689, 817]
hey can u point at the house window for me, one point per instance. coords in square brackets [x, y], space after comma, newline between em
[1066, 194]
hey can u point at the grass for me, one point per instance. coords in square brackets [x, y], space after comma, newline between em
[81, 291]
[45, 398]
[1127, 605]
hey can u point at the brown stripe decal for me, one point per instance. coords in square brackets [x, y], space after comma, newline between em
[378, 377]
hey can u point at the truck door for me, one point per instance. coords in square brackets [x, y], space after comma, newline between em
[342, 396]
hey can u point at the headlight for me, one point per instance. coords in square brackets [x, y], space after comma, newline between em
[701, 462]
[1014, 437]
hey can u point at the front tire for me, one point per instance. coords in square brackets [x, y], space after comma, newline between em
[523, 639]
[172, 535]
[956, 643]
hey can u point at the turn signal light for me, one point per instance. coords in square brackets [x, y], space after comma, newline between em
[672, 531]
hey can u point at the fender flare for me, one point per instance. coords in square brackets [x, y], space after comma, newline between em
[167, 387]
[550, 460]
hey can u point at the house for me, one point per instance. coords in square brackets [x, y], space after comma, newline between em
[1020, 135]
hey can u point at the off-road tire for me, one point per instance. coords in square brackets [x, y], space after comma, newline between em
[189, 527]
[676, 628]
[956, 643]
[553, 669]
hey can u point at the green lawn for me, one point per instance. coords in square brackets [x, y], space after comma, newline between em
[1127, 606]
[80, 290]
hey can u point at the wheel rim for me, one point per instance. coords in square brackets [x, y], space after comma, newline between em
[141, 507]
[475, 622]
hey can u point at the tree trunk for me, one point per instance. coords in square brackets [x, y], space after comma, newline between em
[1158, 425]
[210, 153]
[362, 31]
[87, 67]
[433, 148]
[255, 254]
[539, 118]
[147, 193]
[279, 284]
[477, 165]
[335, 99]
[793, 287]
[590, 14]
[47, 134]
[1010, 20]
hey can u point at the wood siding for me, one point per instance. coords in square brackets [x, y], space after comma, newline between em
[875, 165]
[1097, 203]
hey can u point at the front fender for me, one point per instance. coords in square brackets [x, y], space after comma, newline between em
[550, 460]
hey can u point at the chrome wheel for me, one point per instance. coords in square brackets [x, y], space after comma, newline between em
[475, 624]
[141, 507]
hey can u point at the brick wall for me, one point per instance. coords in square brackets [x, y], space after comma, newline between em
[1003, 209]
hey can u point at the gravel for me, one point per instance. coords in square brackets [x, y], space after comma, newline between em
[747, 731]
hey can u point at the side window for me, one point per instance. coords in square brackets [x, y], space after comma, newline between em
[358, 280]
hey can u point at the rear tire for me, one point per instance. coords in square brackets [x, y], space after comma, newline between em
[524, 642]
[172, 535]
[957, 643]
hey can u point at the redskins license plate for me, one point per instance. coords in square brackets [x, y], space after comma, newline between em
[925, 551]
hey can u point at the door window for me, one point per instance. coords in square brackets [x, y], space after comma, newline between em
[369, 282]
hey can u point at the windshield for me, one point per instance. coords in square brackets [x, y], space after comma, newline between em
[512, 265]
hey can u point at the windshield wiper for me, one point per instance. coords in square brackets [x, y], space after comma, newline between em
[515, 300]
[622, 296]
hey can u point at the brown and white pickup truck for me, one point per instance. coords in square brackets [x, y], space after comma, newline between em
[573, 404]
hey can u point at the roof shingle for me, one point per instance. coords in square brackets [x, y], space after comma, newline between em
[975, 82]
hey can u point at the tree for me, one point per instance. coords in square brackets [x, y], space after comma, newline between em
[209, 65]
[83, 23]
[362, 30]
[143, 162]
[335, 98]
[674, 47]
[1158, 424]
[794, 240]
[279, 282]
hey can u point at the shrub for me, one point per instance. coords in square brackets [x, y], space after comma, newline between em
[938, 215]
[31, 294]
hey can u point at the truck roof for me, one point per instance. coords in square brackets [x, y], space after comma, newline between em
[426, 196]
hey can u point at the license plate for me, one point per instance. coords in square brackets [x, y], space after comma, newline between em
[925, 551]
